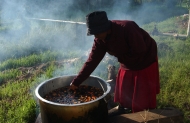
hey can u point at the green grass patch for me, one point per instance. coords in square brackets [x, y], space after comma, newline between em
[16, 103]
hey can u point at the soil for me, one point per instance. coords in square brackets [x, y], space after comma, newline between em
[39, 69]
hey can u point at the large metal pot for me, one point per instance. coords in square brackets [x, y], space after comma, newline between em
[89, 112]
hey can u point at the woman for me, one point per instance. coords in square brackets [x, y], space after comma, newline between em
[137, 82]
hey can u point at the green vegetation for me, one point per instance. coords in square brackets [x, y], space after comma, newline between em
[34, 59]
[174, 65]
[17, 103]
[174, 69]
[176, 24]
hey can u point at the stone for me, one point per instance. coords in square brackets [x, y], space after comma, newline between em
[168, 115]
[39, 120]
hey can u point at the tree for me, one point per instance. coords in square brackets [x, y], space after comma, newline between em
[171, 3]
[187, 3]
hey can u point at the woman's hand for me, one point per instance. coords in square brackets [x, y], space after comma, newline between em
[73, 87]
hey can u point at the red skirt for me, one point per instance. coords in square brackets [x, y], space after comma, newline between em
[137, 90]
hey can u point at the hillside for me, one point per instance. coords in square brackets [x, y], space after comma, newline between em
[36, 57]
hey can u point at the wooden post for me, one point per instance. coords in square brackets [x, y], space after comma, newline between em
[111, 76]
[188, 28]
[112, 81]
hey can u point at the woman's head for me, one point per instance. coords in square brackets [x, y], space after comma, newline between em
[97, 23]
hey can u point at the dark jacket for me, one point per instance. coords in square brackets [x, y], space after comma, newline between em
[130, 44]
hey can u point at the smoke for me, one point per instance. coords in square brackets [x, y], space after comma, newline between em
[21, 35]
[20, 32]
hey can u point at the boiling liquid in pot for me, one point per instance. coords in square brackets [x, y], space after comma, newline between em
[82, 94]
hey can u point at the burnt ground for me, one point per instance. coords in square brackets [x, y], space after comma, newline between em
[29, 73]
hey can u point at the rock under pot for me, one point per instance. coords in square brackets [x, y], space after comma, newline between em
[94, 111]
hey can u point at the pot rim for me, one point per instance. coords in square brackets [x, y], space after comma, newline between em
[59, 104]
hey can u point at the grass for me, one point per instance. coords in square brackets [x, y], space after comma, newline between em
[174, 75]
[17, 106]
[176, 24]
[17, 99]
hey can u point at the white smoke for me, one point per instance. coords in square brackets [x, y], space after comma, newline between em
[18, 17]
